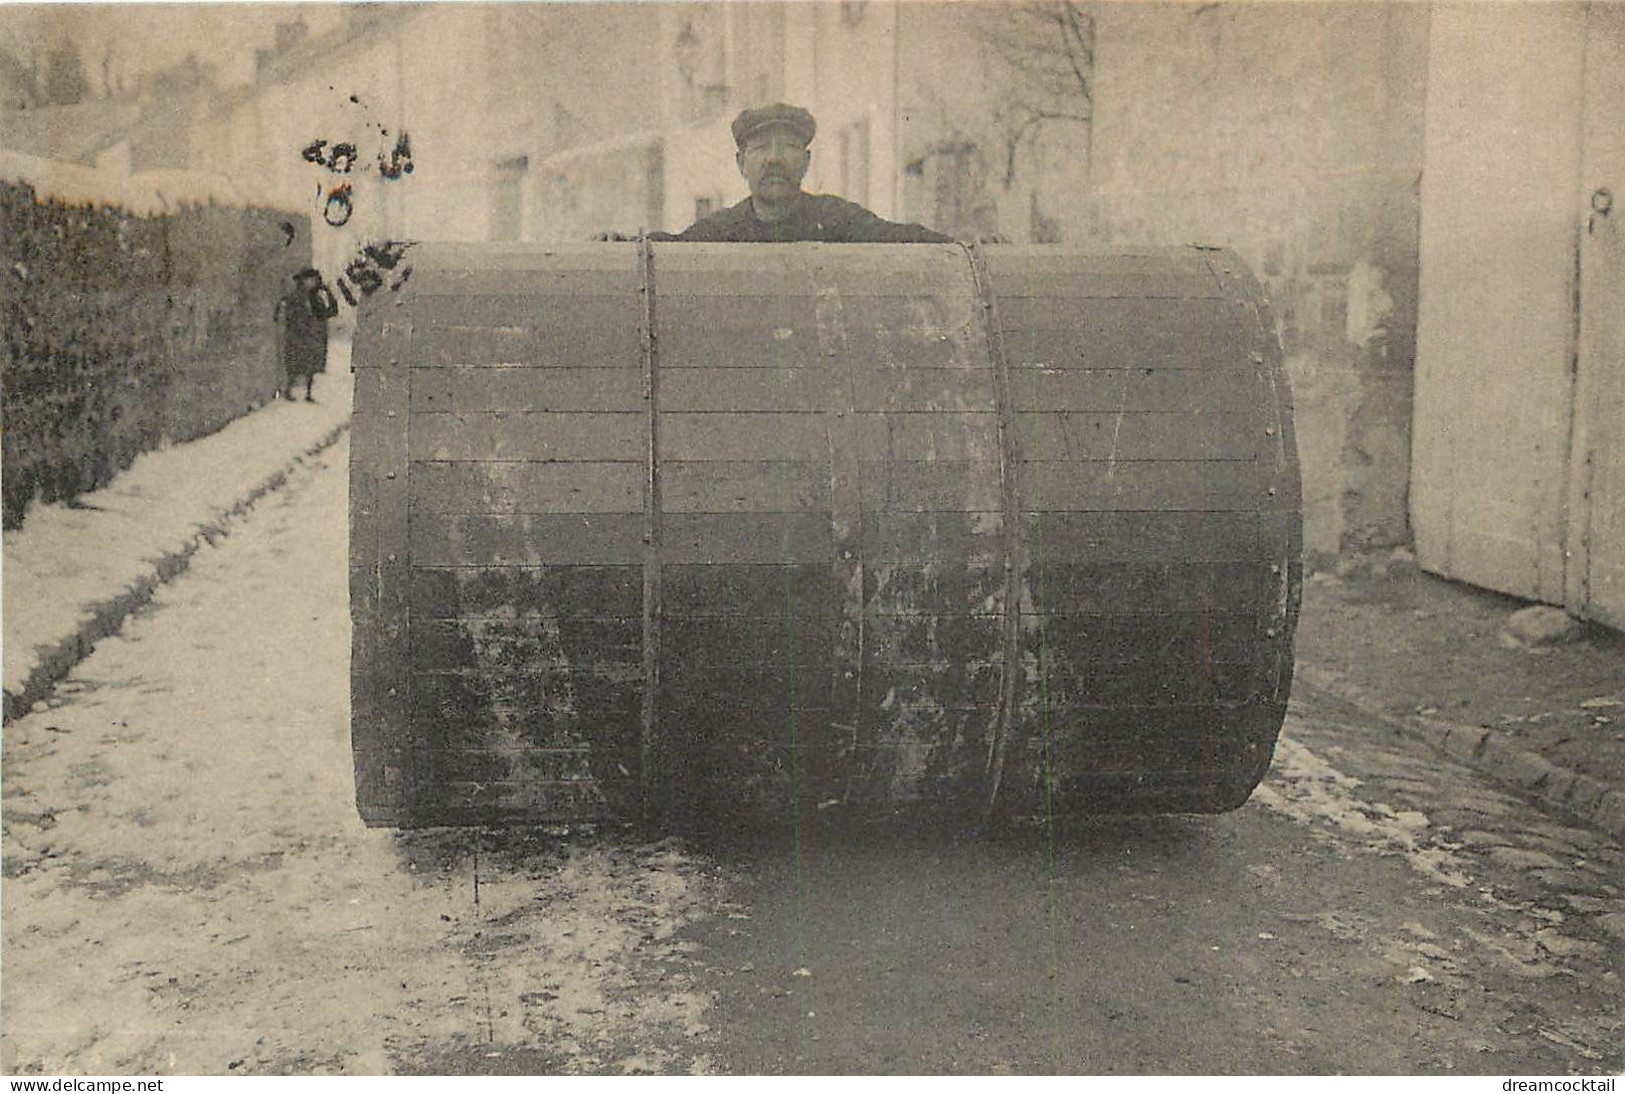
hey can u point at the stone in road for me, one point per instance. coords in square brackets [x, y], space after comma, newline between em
[188, 890]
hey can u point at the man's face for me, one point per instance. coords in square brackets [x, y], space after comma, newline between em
[774, 161]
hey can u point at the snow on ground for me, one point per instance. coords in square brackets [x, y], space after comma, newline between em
[67, 558]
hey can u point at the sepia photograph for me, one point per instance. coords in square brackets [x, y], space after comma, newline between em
[813, 537]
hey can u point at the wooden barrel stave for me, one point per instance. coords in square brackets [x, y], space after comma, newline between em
[864, 453]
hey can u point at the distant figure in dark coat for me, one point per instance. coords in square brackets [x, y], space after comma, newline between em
[304, 341]
[773, 156]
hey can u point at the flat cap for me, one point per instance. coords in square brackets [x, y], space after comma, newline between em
[758, 118]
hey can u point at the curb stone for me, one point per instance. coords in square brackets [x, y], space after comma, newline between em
[103, 618]
[1557, 788]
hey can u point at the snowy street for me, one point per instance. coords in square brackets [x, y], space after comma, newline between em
[188, 889]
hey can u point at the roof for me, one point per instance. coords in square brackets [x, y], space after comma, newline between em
[73, 134]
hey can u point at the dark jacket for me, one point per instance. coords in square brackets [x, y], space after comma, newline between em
[817, 218]
[304, 335]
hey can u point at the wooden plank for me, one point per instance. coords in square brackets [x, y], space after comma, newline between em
[845, 649]
[488, 346]
[1109, 281]
[368, 397]
[1140, 435]
[733, 640]
[649, 720]
[699, 344]
[867, 261]
[1140, 486]
[557, 592]
[594, 685]
[565, 284]
[789, 591]
[498, 802]
[490, 644]
[1162, 746]
[613, 539]
[1138, 637]
[479, 332]
[854, 269]
[1062, 585]
[895, 388]
[688, 288]
[918, 333]
[444, 728]
[951, 538]
[1123, 333]
[539, 314]
[367, 711]
[916, 388]
[935, 486]
[527, 539]
[527, 487]
[1151, 537]
[747, 686]
[1132, 721]
[754, 717]
[786, 538]
[594, 640]
[1129, 390]
[551, 710]
[535, 773]
[457, 256]
[962, 588]
[518, 764]
[1173, 682]
[1594, 517]
[380, 678]
[743, 437]
[767, 316]
[912, 637]
[525, 388]
[523, 435]
[745, 487]
[720, 390]
[957, 436]
[1006, 261]
[902, 686]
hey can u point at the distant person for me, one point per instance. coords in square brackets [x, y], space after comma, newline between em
[304, 341]
[773, 156]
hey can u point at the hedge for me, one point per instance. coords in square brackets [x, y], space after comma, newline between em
[123, 333]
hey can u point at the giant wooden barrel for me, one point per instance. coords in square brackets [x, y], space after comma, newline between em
[664, 529]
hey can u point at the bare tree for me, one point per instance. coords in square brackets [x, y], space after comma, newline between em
[1048, 46]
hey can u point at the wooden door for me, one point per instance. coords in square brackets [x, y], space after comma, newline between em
[1517, 450]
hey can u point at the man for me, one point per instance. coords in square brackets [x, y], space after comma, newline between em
[773, 157]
